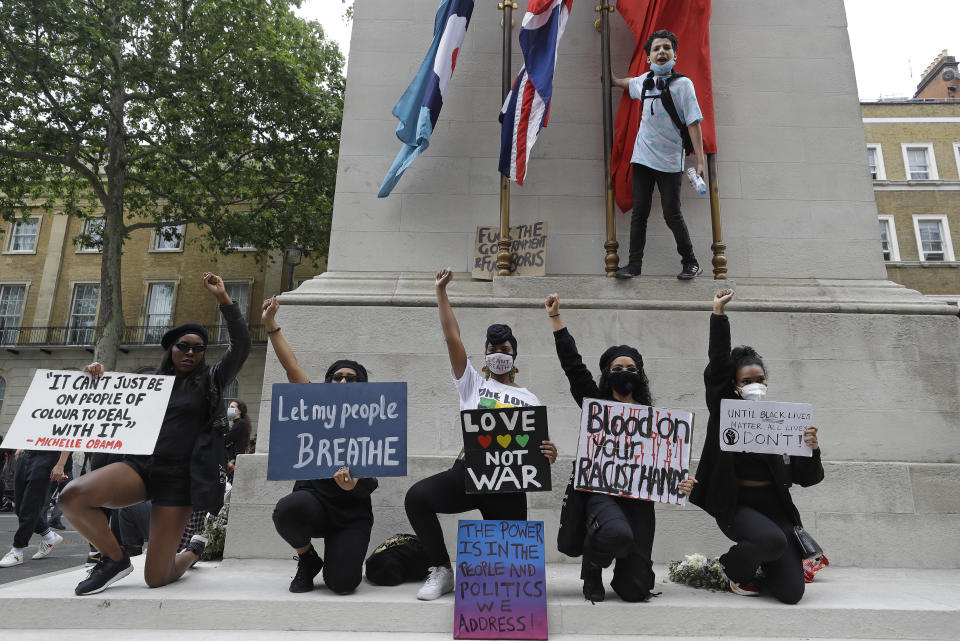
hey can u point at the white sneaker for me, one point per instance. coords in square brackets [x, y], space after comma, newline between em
[11, 559]
[437, 584]
[45, 546]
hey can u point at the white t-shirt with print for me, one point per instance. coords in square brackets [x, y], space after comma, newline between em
[476, 392]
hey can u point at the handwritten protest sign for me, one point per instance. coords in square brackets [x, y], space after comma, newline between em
[118, 413]
[501, 588]
[528, 251]
[502, 450]
[764, 427]
[317, 428]
[633, 451]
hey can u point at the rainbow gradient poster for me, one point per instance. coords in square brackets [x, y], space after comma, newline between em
[501, 587]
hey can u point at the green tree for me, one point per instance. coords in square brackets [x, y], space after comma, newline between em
[225, 114]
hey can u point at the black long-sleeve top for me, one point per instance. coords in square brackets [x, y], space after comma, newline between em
[581, 380]
[716, 490]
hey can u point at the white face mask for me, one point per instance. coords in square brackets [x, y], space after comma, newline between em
[499, 363]
[753, 392]
[231, 412]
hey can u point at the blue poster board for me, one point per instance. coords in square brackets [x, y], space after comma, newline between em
[317, 428]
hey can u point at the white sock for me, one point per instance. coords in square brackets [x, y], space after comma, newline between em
[17, 551]
[49, 537]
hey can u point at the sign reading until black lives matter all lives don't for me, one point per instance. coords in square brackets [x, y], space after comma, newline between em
[528, 251]
[764, 427]
[118, 413]
[502, 450]
[633, 451]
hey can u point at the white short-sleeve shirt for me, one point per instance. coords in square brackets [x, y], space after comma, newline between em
[659, 145]
[477, 392]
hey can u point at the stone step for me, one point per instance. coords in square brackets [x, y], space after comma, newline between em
[304, 635]
[843, 603]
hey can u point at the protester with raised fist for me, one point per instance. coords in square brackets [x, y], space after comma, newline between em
[337, 509]
[748, 494]
[187, 470]
[445, 493]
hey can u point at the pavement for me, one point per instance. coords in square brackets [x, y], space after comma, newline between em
[71, 553]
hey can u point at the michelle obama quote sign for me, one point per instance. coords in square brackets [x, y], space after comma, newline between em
[764, 427]
[501, 450]
[633, 451]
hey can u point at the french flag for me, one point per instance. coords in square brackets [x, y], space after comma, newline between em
[527, 107]
[419, 106]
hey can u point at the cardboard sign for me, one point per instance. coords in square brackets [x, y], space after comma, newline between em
[317, 428]
[764, 427]
[528, 251]
[118, 413]
[633, 451]
[502, 450]
[501, 588]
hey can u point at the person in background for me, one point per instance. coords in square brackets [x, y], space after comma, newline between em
[238, 438]
[36, 470]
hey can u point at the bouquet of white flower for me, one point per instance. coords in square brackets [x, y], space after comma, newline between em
[698, 571]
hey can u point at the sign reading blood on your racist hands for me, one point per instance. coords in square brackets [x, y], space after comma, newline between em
[764, 427]
[118, 413]
[502, 450]
[633, 451]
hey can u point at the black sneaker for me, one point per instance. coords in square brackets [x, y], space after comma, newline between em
[197, 545]
[92, 559]
[629, 271]
[593, 584]
[309, 565]
[690, 271]
[103, 575]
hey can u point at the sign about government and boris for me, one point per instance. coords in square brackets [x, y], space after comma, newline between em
[501, 587]
[118, 413]
[633, 451]
[317, 428]
[501, 450]
[528, 251]
[764, 427]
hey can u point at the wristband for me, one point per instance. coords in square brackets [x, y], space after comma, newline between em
[553, 315]
[273, 331]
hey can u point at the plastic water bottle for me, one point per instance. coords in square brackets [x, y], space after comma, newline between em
[696, 181]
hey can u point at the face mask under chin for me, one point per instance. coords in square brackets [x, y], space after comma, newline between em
[499, 363]
[662, 69]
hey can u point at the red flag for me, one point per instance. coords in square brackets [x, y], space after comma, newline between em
[690, 20]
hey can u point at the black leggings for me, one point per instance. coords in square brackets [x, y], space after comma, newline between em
[764, 536]
[446, 493]
[668, 184]
[301, 516]
[621, 529]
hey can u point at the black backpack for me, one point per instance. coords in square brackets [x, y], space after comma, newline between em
[399, 559]
[667, 100]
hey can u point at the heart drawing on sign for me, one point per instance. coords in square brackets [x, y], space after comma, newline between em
[503, 440]
[523, 439]
[485, 441]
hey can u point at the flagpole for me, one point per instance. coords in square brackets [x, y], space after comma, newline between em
[503, 245]
[612, 260]
[718, 246]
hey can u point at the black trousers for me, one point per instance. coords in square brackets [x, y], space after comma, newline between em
[668, 184]
[301, 516]
[446, 493]
[31, 492]
[764, 535]
[622, 529]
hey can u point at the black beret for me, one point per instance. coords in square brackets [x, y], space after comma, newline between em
[497, 334]
[616, 352]
[354, 365]
[174, 333]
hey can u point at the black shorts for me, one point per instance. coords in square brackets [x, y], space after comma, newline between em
[167, 480]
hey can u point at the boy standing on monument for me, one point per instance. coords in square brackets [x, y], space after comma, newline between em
[669, 129]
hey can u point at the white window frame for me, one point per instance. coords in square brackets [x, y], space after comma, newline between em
[145, 313]
[96, 314]
[878, 156]
[26, 296]
[156, 237]
[948, 256]
[84, 249]
[892, 236]
[956, 157]
[931, 160]
[241, 248]
[36, 242]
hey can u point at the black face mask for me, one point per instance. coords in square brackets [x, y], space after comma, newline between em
[623, 382]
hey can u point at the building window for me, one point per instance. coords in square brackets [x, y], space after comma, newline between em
[919, 161]
[92, 241]
[875, 161]
[159, 311]
[956, 157]
[168, 239]
[23, 235]
[11, 311]
[888, 239]
[241, 246]
[933, 238]
[239, 292]
[83, 314]
[231, 392]
[3, 391]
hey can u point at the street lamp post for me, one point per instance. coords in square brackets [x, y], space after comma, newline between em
[292, 256]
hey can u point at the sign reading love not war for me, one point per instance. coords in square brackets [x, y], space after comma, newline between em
[118, 413]
[317, 428]
[633, 451]
[764, 427]
[502, 450]
[501, 587]
[528, 251]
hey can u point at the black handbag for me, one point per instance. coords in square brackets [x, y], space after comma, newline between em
[399, 559]
[809, 549]
[573, 519]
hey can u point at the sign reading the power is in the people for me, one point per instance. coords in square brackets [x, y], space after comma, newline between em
[118, 413]
[317, 428]
[501, 588]
[633, 451]
[764, 427]
[502, 450]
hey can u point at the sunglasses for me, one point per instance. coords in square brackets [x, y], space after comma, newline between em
[629, 368]
[350, 378]
[187, 347]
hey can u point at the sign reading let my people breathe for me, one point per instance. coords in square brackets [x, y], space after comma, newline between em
[317, 428]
